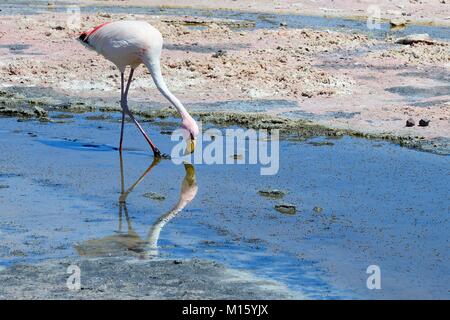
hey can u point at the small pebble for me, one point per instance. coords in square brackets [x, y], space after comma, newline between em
[410, 122]
[424, 122]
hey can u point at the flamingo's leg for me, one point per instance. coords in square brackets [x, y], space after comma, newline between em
[122, 81]
[124, 104]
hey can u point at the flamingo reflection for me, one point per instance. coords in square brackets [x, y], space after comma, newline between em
[130, 241]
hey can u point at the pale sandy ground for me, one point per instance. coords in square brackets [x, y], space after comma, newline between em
[318, 72]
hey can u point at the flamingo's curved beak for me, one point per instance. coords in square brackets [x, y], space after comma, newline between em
[190, 145]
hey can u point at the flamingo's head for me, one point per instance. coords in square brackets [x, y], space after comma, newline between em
[190, 133]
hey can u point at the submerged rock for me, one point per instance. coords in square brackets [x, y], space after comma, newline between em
[317, 209]
[410, 122]
[320, 143]
[62, 116]
[154, 196]
[274, 194]
[286, 208]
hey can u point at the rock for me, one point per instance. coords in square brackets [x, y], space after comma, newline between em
[307, 94]
[39, 112]
[219, 53]
[416, 38]
[104, 15]
[424, 122]
[154, 196]
[397, 22]
[410, 122]
[286, 208]
[283, 24]
[274, 194]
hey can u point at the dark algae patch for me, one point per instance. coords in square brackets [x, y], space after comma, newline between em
[154, 196]
[272, 193]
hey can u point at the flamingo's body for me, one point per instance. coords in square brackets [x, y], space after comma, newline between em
[132, 43]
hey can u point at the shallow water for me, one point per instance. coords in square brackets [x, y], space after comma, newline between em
[382, 204]
[260, 20]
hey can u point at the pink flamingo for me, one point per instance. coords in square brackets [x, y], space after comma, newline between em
[131, 43]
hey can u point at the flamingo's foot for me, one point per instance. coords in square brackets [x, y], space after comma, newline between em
[158, 154]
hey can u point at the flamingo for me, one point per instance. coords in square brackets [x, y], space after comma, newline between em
[130, 44]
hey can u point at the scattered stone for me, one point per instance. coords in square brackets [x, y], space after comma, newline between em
[307, 94]
[398, 22]
[424, 122]
[104, 15]
[286, 208]
[416, 38]
[219, 53]
[274, 194]
[283, 24]
[154, 196]
[410, 122]
[39, 112]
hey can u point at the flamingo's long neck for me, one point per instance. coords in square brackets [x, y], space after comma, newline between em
[155, 69]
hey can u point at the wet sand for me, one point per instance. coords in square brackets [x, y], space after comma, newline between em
[119, 278]
[358, 202]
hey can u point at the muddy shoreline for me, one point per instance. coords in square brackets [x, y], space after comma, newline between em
[298, 129]
[122, 278]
